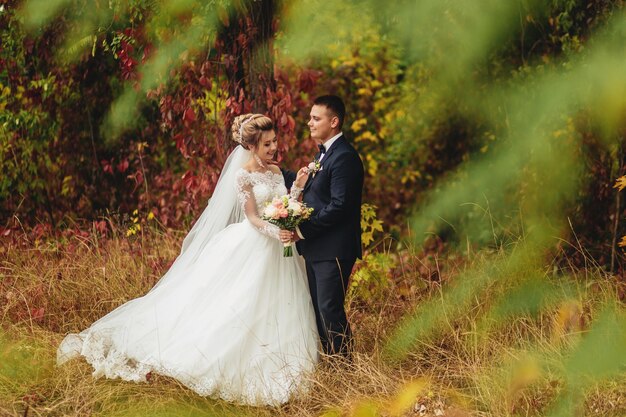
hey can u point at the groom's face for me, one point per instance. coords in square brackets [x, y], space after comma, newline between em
[323, 123]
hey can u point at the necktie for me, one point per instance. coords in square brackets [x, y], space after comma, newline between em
[322, 149]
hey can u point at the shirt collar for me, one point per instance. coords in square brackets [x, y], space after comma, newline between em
[332, 140]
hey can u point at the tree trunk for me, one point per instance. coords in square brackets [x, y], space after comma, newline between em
[253, 71]
[260, 68]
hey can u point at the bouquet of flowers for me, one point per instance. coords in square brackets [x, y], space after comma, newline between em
[286, 213]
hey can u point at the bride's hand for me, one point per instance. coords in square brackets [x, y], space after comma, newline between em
[301, 177]
[285, 235]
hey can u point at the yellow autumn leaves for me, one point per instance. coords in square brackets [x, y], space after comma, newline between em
[414, 397]
[620, 183]
[370, 224]
[136, 220]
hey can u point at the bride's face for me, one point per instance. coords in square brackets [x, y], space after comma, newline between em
[267, 147]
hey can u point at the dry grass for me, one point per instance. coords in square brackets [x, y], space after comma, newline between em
[475, 364]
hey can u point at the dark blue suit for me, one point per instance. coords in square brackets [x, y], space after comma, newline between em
[332, 238]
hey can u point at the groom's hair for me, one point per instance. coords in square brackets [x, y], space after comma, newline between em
[334, 104]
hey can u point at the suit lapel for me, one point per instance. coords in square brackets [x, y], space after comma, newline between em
[335, 145]
[340, 140]
[307, 184]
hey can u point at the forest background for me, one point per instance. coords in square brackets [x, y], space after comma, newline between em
[492, 134]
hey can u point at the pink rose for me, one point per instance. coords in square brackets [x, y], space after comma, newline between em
[283, 213]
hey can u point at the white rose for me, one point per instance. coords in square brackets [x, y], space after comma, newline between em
[295, 206]
[270, 211]
[311, 166]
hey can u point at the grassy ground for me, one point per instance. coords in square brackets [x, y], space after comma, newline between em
[499, 346]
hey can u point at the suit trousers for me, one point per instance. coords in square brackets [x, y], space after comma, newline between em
[328, 283]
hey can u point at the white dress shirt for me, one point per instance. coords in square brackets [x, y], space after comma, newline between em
[329, 143]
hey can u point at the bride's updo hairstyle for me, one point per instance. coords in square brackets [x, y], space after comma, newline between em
[248, 128]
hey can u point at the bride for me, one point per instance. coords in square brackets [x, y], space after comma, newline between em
[232, 318]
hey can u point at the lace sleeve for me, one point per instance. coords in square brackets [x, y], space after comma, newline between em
[249, 207]
[295, 191]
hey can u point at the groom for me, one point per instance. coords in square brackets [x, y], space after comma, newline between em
[330, 241]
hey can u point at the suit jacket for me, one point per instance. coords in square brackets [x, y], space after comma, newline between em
[334, 192]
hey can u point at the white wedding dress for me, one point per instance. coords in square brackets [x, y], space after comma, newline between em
[232, 318]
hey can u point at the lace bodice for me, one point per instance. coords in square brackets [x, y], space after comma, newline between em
[265, 186]
[255, 190]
